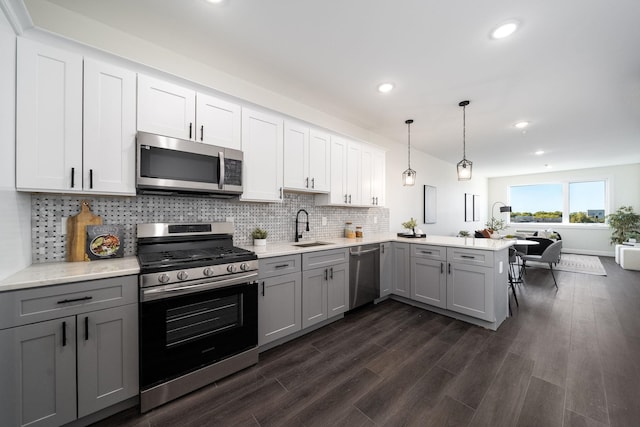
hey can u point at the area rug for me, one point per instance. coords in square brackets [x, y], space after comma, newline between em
[574, 263]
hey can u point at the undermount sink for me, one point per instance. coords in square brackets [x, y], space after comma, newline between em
[311, 244]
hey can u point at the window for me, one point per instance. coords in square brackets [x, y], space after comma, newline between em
[558, 203]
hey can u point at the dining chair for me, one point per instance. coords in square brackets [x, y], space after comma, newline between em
[513, 259]
[550, 255]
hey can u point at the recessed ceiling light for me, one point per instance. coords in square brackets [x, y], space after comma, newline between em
[521, 125]
[548, 166]
[385, 87]
[539, 153]
[215, 1]
[504, 30]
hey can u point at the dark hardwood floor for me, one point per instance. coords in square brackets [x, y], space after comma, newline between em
[566, 358]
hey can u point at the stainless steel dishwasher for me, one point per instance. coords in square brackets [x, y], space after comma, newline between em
[364, 274]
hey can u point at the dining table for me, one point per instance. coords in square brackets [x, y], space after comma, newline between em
[521, 246]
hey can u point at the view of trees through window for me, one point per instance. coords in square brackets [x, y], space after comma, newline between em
[569, 202]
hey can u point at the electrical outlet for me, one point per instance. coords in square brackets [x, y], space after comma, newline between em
[324, 220]
[375, 219]
[63, 225]
[230, 219]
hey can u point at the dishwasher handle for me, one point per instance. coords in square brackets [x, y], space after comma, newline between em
[352, 253]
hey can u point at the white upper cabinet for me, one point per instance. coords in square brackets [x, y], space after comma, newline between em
[218, 122]
[338, 174]
[378, 185]
[48, 119]
[306, 159]
[373, 164]
[58, 151]
[165, 108]
[109, 129]
[354, 173]
[168, 109]
[262, 145]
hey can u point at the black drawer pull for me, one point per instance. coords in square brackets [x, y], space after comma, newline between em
[426, 252]
[64, 301]
[64, 334]
[282, 266]
[467, 256]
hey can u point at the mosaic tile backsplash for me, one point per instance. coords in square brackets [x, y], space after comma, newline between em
[48, 211]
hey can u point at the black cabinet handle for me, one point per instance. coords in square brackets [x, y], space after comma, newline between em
[73, 176]
[282, 266]
[345, 198]
[441, 267]
[382, 248]
[190, 129]
[331, 273]
[86, 328]
[202, 133]
[326, 274]
[467, 256]
[263, 288]
[64, 301]
[449, 268]
[306, 182]
[64, 334]
[349, 198]
[313, 183]
[91, 178]
[427, 252]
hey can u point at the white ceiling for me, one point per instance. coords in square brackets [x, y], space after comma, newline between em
[572, 69]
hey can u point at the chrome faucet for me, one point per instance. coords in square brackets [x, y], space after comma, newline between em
[299, 234]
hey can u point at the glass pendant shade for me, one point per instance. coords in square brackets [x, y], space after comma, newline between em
[464, 165]
[464, 170]
[409, 176]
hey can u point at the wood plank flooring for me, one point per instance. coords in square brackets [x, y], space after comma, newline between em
[566, 358]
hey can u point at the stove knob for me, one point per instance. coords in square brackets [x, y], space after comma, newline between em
[244, 266]
[231, 268]
[163, 278]
[208, 272]
[183, 275]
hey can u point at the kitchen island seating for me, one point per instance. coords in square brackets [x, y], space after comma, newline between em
[551, 255]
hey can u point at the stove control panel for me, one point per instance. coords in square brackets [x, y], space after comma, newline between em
[183, 275]
[198, 273]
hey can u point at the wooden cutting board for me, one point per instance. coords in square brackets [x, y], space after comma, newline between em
[77, 232]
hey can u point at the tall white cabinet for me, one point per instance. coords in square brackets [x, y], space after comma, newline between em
[306, 158]
[58, 151]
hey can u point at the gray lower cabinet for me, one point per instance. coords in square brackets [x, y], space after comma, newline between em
[56, 370]
[386, 269]
[279, 306]
[428, 276]
[325, 285]
[401, 269]
[470, 283]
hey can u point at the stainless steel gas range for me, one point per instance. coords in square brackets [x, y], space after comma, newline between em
[198, 308]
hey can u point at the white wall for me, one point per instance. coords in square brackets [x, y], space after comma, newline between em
[407, 202]
[15, 208]
[624, 186]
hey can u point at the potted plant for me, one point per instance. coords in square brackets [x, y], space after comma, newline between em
[259, 237]
[496, 224]
[625, 224]
[410, 225]
[463, 233]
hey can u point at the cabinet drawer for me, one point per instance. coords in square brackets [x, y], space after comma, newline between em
[50, 302]
[470, 256]
[279, 265]
[430, 252]
[324, 258]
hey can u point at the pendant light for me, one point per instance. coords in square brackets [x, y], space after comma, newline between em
[464, 165]
[409, 176]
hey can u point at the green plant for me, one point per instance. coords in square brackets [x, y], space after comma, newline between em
[259, 233]
[463, 233]
[411, 224]
[625, 224]
[496, 224]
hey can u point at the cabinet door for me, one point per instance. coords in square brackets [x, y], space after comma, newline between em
[338, 289]
[107, 357]
[354, 173]
[314, 296]
[165, 108]
[470, 290]
[48, 118]
[38, 373]
[109, 131]
[366, 177]
[262, 143]
[429, 282]
[319, 158]
[386, 269]
[218, 122]
[296, 157]
[378, 177]
[401, 269]
[279, 307]
[338, 193]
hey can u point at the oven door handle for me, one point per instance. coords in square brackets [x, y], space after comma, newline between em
[171, 290]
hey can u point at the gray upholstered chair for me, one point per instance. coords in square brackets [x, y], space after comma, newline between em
[551, 255]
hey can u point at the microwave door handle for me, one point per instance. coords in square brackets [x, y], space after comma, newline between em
[221, 170]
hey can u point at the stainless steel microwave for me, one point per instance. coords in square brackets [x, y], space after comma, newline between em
[167, 165]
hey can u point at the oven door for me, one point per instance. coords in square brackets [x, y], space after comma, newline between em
[184, 332]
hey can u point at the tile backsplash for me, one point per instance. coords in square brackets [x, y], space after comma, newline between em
[48, 211]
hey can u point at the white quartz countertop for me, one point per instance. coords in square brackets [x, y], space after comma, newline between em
[285, 248]
[55, 273]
